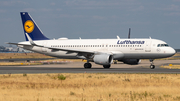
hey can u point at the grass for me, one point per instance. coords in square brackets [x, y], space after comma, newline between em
[90, 87]
[170, 66]
[31, 55]
[17, 64]
[28, 56]
[22, 55]
[39, 62]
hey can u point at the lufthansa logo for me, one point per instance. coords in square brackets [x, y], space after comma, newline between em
[28, 26]
[158, 50]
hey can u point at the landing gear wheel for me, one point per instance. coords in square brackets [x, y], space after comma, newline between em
[115, 62]
[152, 66]
[87, 65]
[106, 66]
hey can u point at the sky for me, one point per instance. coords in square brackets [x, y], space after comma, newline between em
[92, 19]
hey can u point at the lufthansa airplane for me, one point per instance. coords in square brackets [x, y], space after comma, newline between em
[100, 51]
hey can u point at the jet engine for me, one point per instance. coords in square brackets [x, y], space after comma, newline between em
[132, 61]
[103, 59]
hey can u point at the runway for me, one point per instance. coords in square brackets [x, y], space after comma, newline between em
[17, 70]
[77, 67]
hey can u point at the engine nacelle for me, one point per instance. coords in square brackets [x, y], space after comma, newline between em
[103, 59]
[132, 61]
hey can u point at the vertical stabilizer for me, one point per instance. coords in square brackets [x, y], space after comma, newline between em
[31, 28]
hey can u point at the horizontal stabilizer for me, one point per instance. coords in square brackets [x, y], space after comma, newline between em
[18, 44]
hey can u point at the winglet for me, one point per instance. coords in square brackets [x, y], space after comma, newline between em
[31, 41]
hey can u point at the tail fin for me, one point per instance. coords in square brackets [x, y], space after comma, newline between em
[31, 28]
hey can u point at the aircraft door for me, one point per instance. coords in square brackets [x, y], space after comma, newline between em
[148, 46]
[44, 49]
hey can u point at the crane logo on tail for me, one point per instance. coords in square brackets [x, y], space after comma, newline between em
[28, 26]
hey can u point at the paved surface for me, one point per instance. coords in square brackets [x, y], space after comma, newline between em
[77, 67]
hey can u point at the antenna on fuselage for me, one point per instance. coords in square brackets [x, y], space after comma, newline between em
[129, 33]
[118, 37]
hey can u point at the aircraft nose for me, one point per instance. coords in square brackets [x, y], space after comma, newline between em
[172, 51]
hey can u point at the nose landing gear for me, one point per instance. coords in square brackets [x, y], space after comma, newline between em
[152, 66]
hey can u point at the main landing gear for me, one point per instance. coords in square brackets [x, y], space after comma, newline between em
[106, 66]
[152, 66]
[87, 65]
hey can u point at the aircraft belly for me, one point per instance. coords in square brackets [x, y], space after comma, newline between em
[144, 56]
[63, 54]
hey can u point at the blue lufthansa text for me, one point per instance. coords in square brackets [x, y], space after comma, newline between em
[130, 42]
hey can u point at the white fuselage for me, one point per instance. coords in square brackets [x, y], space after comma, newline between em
[119, 48]
[99, 51]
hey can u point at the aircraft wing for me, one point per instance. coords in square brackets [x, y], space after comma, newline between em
[72, 50]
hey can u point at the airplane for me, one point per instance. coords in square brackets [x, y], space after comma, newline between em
[99, 51]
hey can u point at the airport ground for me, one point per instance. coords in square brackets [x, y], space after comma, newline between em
[69, 81]
[77, 67]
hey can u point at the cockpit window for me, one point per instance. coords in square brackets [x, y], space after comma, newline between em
[162, 45]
